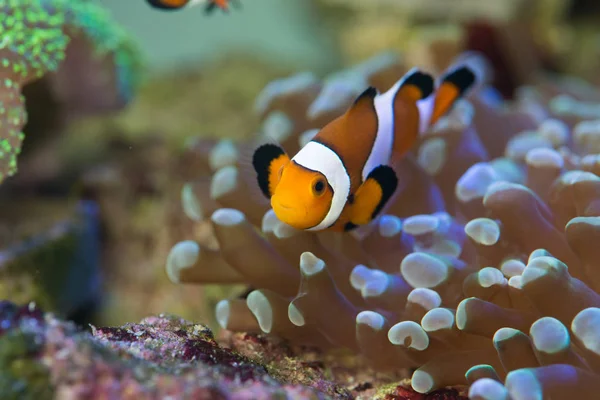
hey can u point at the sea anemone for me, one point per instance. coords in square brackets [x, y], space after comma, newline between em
[36, 37]
[481, 271]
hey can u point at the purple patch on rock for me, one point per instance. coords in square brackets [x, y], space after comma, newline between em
[403, 393]
[174, 337]
[11, 315]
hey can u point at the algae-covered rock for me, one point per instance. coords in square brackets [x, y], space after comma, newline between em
[339, 373]
[22, 376]
[42, 357]
[50, 254]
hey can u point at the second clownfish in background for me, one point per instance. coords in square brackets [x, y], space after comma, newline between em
[342, 178]
[211, 5]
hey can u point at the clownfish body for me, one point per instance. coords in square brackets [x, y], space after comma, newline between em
[342, 178]
[171, 5]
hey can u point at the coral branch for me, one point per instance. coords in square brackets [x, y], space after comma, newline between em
[34, 38]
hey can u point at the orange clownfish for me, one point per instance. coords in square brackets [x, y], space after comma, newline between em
[179, 4]
[342, 178]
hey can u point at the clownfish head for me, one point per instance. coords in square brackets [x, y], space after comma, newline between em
[300, 197]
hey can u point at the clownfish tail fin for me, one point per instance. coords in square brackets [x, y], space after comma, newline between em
[416, 85]
[462, 78]
[469, 71]
[267, 160]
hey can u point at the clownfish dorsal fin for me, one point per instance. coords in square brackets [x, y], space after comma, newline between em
[469, 71]
[368, 95]
[415, 86]
[268, 160]
[373, 194]
[364, 103]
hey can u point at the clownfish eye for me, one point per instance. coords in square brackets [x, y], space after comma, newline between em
[319, 187]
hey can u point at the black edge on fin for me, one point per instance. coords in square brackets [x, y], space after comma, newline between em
[463, 78]
[350, 227]
[422, 80]
[369, 93]
[210, 7]
[261, 161]
[350, 198]
[161, 6]
[387, 179]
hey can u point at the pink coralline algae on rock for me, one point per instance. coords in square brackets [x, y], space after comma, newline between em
[402, 393]
[161, 357]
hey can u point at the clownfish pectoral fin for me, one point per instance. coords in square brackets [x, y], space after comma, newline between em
[268, 160]
[470, 70]
[373, 194]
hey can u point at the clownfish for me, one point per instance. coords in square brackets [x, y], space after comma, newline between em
[342, 178]
[179, 4]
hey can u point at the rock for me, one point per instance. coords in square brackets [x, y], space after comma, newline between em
[163, 356]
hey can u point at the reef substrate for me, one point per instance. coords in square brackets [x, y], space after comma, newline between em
[42, 357]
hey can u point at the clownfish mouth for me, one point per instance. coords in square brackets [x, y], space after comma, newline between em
[288, 208]
[291, 215]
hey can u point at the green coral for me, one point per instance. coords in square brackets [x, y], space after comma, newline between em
[22, 377]
[108, 38]
[34, 35]
[31, 37]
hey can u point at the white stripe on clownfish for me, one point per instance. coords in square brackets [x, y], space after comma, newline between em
[384, 139]
[318, 157]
